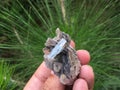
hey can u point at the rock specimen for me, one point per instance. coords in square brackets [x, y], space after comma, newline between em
[61, 58]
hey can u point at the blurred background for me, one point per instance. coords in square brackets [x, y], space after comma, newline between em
[25, 25]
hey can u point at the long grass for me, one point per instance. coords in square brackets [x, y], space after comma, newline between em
[6, 72]
[94, 25]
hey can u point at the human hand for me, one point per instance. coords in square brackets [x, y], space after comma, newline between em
[43, 79]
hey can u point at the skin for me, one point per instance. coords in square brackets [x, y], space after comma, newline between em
[44, 78]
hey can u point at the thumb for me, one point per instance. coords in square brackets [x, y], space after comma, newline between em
[38, 79]
[80, 84]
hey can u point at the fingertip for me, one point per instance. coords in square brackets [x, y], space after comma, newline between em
[83, 56]
[88, 74]
[53, 83]
[72, 43]
[38, 79]
[42, 73]
[80, 84]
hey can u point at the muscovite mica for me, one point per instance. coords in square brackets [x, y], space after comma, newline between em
[61, 58]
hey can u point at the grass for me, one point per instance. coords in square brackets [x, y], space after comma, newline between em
[93, 25]
[6, 72]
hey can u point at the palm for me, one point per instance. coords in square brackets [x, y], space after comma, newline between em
[42, 79]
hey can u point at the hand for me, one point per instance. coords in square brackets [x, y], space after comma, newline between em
[43, 79]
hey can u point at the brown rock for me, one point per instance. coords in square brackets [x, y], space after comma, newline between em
[61, 58]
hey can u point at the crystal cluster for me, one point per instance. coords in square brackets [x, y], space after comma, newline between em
[61, 58]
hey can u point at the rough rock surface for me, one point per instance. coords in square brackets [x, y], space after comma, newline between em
[61, 58]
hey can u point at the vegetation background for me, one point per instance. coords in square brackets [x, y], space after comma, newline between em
[25, 25]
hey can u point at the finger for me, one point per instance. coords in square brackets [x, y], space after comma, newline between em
[53, 83]
[83, 56]
[87, 74]
[39, 77]
[80, 84]
[72, 43]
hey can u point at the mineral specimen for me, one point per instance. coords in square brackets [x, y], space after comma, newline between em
[61, 58]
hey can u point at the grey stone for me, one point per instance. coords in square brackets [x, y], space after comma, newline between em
[61, 58]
